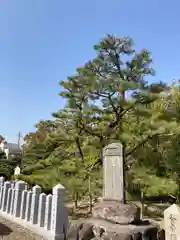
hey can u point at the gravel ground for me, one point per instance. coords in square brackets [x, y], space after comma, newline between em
[12, 231]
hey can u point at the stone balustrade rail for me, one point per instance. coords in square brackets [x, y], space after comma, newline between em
[46, 215]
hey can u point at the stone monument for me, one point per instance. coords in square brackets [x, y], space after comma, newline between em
[112, 217]
[113, 205]
[113, 171]
[172, 222]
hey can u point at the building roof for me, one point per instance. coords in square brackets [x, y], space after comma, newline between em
[11, 146]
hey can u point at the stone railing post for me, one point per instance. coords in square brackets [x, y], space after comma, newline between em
[26, 186]
[23, 204]
[35, 204]
[12, 198]
[7, 185]
[1, 190]
[28, 206]
[42, 204]
[59, 216]
[47, 221]
[9, 199]
[1, 182]
[19, 187]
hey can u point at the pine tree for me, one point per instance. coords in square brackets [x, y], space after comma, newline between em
[111, 89]
[108, 100]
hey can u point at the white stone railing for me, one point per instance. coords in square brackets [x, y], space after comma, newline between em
[43, 214]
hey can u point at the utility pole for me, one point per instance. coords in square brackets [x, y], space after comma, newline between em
[19, 146]
[19, 139]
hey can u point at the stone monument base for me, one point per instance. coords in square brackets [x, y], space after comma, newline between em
[116, 212]
[93, 228]
[112, 220]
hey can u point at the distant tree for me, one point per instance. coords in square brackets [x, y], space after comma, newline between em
[1, 139]
[7, 165]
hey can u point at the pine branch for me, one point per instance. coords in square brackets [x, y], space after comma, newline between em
[99, 161]
[79, 148]
[149, 137]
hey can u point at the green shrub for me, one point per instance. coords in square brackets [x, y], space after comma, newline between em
[30, 169]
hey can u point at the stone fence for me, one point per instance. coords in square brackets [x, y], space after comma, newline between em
[43, 214]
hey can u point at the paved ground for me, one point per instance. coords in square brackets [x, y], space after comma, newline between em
[12, 231]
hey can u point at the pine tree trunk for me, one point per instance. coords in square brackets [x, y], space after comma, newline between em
[90, 203]
[123, 156]
[90, 195]
[76, 201]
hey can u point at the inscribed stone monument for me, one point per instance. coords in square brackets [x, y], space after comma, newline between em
[113, 172]
[172, 222]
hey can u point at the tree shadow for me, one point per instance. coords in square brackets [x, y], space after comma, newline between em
[4, 230]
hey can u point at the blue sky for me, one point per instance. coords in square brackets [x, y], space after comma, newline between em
[43, 41]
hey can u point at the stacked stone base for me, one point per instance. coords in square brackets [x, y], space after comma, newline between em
[112, 220]
[94, 228]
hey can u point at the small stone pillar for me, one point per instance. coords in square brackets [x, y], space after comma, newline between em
[7, 185]
[28, 206]
[47, 222]
[35, 204]
[41, 214]
[19, 187]
[23, 204]
[59, 217]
